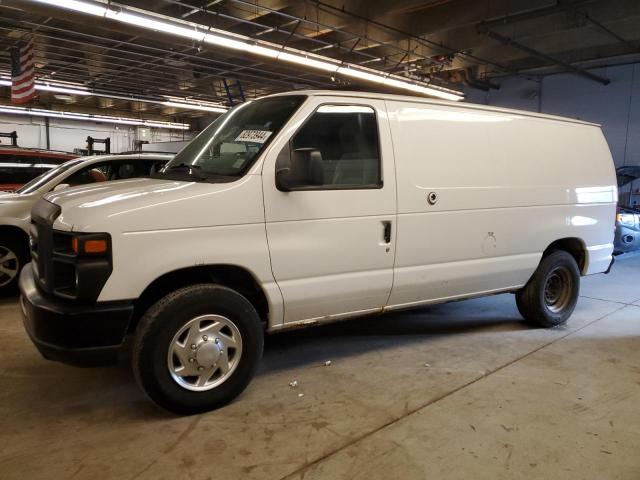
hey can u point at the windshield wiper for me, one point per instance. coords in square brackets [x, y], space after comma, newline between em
[184, 165]
[193, 169]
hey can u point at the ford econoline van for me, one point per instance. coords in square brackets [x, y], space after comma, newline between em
[309, 207]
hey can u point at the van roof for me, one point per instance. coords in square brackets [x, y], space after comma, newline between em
[433, 101]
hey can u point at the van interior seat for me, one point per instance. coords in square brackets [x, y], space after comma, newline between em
[353, 170]
[126, 171]
[97, 175]
[358, 164]
[155, 168]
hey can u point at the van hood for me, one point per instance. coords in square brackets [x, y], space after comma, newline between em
[152, 204]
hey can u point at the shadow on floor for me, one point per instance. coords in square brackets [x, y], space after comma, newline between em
[75, 391]
[391, 330]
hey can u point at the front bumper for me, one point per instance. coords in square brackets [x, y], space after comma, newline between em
[626, 240]
[82, 335]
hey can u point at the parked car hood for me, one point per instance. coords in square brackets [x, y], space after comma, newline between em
[151, 204]
[14, 198]
[8, 197]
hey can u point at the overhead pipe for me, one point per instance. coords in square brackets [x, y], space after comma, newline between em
[543, 56]
[559, 7]
[470, 79]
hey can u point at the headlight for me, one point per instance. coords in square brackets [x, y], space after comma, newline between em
[626, 218]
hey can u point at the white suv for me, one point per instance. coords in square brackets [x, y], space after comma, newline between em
[15, 208]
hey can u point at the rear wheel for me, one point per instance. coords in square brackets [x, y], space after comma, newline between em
[14, 254]
[551, 295]
[197, 348]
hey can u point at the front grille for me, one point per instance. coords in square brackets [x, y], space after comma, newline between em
[54, 263]
[57, 268]
[42, 236]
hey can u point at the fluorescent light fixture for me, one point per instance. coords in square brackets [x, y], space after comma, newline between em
[151, 24]
[38, 112]
[370, 77]
[56, 89]
[308, 62]
[201, 33]
[194, 106]
[78, 6]
[74, 89]
[444, 94]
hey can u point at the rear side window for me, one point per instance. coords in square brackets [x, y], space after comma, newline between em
[16, 170]
[347, 138]
[117, 170]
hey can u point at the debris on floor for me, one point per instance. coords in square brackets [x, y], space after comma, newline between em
[300, 395]
[427, 365]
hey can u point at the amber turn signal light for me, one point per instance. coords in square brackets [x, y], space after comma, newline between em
[90, 246]
[95, 246]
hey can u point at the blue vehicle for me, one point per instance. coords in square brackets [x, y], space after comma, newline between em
[627, 238]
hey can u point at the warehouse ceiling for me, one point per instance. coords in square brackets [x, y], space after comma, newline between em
[444, 42]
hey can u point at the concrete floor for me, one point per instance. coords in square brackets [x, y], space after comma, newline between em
[457, 391]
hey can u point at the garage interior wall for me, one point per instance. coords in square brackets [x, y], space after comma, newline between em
[615, 106]
[66, 135]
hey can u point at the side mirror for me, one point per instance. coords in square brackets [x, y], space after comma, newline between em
[298, 169]
[61, 186]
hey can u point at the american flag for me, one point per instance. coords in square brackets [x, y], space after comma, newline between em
[23, 80]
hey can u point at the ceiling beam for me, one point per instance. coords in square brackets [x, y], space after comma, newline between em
[535, 53]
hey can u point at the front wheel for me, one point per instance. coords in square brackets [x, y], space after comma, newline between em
[197, 348]
[14, 254]
[551, 295]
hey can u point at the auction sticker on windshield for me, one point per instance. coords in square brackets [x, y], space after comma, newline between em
[253, 136]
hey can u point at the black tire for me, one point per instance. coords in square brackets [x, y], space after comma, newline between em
[164, 320]
[551, 294]
[20, 249]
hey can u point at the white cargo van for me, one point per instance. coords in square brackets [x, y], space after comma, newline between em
[309, 207]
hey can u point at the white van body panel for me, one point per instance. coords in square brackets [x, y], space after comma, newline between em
[328, 252]
[508, 184]
[159, 226]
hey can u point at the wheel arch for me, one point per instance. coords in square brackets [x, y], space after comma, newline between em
[14, 231]
[573, 246]
[232, 276]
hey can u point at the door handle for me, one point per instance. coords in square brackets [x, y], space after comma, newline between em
[386, 225]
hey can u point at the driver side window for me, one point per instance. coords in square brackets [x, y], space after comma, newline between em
[85, 176]
[346, 138]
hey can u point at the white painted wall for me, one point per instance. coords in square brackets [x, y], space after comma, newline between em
[615, 106]
[67, 134]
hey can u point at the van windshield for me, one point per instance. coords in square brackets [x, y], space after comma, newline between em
[226, 149]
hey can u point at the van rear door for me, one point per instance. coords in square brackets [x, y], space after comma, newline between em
[332, 243]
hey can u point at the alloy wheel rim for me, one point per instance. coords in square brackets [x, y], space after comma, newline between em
[9, 266]
[557, 289]
[204, 352]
